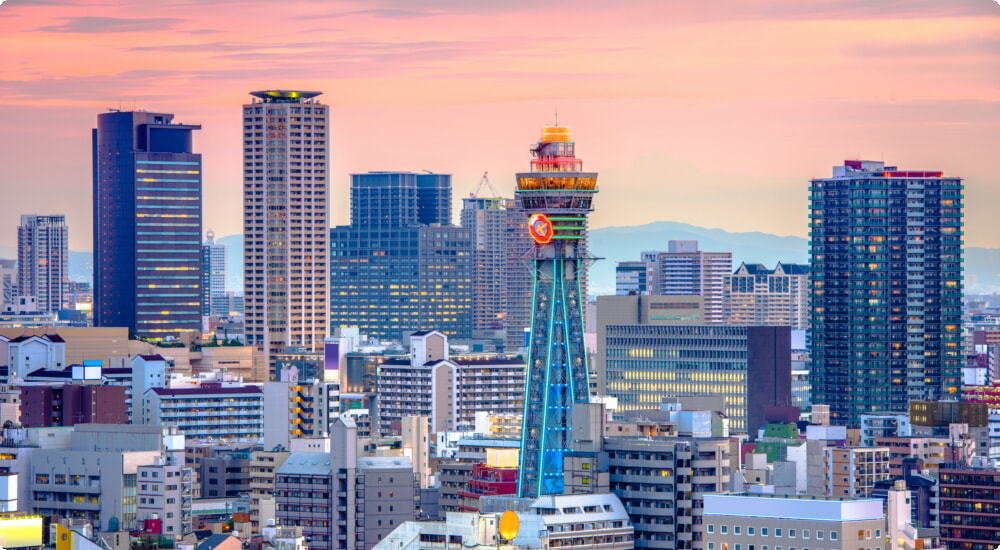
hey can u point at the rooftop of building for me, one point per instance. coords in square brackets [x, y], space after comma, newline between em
[303, 463]
[214, 541]
[782, 268]
[46, 373]
[384, 463]
[803, 507]
[284, 96]
[243, 390]
[460, 360]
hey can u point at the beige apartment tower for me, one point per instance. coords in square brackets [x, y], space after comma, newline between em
[286, 228]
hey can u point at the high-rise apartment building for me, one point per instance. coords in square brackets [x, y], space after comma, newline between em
[487, 218]
[401, 266]
[886, 276]
[8, 283]
[43, 260]
[518, 277]
[756, 296]
[147, 224]
[213, 277]
[285, 221]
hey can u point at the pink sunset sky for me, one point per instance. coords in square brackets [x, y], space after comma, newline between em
[713, 113]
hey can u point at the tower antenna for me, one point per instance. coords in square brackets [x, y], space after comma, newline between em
[557, 116]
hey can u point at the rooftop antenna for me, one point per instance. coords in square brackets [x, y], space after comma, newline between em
[484, 181]
[557, 116]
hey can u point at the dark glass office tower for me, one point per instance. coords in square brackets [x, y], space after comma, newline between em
[886, 297]
[147, 224]
[401, 266]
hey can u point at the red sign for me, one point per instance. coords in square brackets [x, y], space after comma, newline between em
[540, 228]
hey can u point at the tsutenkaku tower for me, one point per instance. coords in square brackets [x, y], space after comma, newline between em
[556, 195]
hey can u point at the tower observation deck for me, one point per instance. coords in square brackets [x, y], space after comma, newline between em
[557, 195]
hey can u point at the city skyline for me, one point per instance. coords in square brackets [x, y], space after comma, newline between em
[814, 83]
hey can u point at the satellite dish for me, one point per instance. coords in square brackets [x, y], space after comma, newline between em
[509, 525]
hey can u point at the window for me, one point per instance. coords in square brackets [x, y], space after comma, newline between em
[723, 529]
[791, 535]
[805, 535]
[878, 533]
[763, 531]
[736, 529]
[737, 546]
[833, 535]
[711, 546]
[777, 532]
[750, 531]
[711, 528]
[819, 535]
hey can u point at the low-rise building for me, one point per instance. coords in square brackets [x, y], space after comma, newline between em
[853, 471]
[448, 389]
[970, 507]
[230, 413]
[746, 521]
[591, 522]
[165, 490]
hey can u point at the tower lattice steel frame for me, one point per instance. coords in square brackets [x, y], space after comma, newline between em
[557, 195]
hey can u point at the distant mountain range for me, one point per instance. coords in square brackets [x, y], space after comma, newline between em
[615, 244]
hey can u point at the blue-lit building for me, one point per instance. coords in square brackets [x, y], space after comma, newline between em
[147, 224]
[556, 196]
[886, 288]
[401, 266]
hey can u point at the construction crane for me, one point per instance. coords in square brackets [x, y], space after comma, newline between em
[485, 181]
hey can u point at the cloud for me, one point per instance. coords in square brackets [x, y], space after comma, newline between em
[94, 25]
[963, 47]
[112, 87]
[384, 13]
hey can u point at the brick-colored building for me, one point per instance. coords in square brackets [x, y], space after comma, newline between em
[70, 404]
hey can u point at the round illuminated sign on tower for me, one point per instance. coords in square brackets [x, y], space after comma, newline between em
[540, 228]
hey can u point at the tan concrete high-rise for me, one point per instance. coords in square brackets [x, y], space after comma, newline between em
[286, 230]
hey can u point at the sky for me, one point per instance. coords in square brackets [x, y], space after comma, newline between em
[710, 113]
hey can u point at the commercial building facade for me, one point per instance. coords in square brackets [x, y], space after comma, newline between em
[147, 224]
[750, 367]
[401, 266]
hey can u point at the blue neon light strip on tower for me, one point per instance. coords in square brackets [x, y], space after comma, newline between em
[555, 190]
